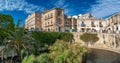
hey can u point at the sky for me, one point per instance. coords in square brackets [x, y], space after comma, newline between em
[20, 9]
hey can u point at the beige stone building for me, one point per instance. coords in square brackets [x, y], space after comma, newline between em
[88, 23]
[114, 23]
[56, 21]
[33, 21]
[53, 20]
[72, 23]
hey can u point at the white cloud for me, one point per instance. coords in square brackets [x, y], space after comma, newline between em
[62, 4]
[20, 5]
[105, 8]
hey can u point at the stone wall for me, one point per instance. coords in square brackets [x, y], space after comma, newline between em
[105, 40]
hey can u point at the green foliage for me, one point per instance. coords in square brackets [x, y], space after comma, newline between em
[6, 21]
[62, 52]
[3, 34]
[68, 37]
[1, 43]
[43, 58]
[89, 38]
[48, 38]
[17, 42]
[29, 59]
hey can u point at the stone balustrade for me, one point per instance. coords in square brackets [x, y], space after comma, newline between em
[105, 40]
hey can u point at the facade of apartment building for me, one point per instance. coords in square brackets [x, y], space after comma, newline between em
[56, 21]
[33, 21]
[67, 24]
[53, 20]
[71, 23]
[88, 23]
[114, 23]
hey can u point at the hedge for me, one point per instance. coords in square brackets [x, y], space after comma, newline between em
[50, 37]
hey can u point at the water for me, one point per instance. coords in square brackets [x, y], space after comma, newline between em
[103, 56]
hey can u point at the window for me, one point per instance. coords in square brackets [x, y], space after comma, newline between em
[117, 28]
[51, 15]
[32, 29]
[92, 24]
[48, 29]
[59, 13]
[59, 29]
[83, 24]
[48, 23]
[100, 24]
[59, 21]
[45, 17]
[51, 22]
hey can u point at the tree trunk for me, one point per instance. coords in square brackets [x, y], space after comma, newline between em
[19, 55]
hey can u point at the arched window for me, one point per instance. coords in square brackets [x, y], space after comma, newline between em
[92, 24]
[117, 28]
[100, 24]
[48, 29]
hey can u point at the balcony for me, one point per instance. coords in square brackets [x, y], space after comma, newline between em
[115, 23]
[100, 25]
[83, 25]
[93, 25]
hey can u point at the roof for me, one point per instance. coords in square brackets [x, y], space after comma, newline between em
[114, 14]
[52, 9]
[87, 14]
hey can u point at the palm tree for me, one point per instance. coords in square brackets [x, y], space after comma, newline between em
[18, 42]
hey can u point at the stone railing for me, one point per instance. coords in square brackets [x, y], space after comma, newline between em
[105, 39]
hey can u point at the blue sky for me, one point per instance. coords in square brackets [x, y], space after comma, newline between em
[20, 9]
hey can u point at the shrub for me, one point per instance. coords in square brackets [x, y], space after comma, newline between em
[50, 37]
[63, 52]
[29, 59]
[43, 58]
[89, 38]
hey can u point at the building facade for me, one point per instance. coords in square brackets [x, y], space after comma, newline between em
[114, 23]
[88, 23]
[72, 22]
[33, 22]
[56, 21]
[53, 20]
